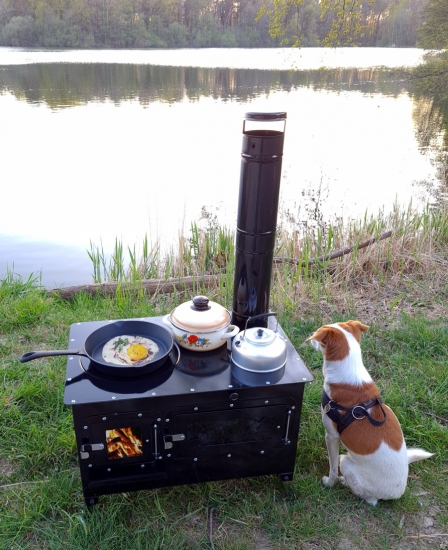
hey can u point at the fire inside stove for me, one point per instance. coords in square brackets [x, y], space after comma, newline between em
[124, 442]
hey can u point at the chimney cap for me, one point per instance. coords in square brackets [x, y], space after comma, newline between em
[266, 116]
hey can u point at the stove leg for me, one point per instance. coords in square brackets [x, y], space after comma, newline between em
[286, 476]
[91, 501]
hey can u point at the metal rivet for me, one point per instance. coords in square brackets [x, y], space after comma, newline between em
[262, 452]
[69, 379]
[139, 415]
[196, 408]
[146, 440]
[109, 469]
[266, 402]
[230, 386]
[70, 358]
[73, 401]
[90, 465]
[228, 456]
[195, 459]
[167, 420]
[142, 466]
[159, 420]
[113, 397]
[101, 446]
[192, 389]
[104, 418]
[304, 379]
[153, 393]
[293, 408]
[268, 382]
[160, 458]
[231, 404]
[72, 340]
[169, 456]
[278, 427]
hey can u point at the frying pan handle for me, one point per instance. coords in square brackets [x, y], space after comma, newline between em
[38, 354]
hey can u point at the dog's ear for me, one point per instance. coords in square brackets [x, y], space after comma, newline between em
[319, 339]
[355, 328]
[331, 342]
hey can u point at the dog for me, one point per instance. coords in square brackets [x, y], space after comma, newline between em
[376, 464]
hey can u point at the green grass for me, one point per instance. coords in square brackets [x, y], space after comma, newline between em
[405, 350]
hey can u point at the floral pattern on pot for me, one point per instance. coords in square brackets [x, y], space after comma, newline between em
[193, 341]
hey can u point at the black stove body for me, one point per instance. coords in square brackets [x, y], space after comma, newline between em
[200, 420]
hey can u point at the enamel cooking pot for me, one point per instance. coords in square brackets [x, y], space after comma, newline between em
[94, 344]
[200, 324]
[259, 349]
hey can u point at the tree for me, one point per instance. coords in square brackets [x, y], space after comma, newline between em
[341, 19]
[433, 33]
[432, 77]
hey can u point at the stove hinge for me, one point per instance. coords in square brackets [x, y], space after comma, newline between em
[85, 450]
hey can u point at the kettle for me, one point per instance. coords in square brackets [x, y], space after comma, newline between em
[259, 349]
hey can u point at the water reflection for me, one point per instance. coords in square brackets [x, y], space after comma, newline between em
[97, 139]
[431, 128]
[70, 85]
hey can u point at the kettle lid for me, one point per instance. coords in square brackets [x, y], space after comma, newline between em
[259, 336]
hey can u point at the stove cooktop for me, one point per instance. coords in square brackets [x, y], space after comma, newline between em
[195, 372]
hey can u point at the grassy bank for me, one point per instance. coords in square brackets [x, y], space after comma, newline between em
[399, 286]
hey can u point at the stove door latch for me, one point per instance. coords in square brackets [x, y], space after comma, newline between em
[85, 450]
[169, 439]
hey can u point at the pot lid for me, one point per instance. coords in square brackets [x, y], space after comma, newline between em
[200, 315]
[259, 336]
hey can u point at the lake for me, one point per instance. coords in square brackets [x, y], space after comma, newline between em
[106, 144]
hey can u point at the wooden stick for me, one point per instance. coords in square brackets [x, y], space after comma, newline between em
[210, 529]
[421, 536]
[22, 483]
[337, 253]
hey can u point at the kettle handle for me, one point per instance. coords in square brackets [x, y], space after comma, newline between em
[271, 314]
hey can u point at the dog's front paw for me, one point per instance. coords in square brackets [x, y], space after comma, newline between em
[329, 481]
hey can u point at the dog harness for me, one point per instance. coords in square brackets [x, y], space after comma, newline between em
[358, 412]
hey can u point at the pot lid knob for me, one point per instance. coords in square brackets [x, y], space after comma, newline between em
[260, 336]
[200, 303]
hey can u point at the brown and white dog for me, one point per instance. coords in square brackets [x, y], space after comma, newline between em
[376, 464]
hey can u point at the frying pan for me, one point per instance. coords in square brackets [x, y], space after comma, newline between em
[94, 343]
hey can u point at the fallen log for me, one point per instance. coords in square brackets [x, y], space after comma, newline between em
[155, 286]
[336, 253]
[150, 286]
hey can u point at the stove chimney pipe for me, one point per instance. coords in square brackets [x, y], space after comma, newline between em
[261, 163]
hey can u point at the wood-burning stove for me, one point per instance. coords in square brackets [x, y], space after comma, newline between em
[192, 422]
[204, 418]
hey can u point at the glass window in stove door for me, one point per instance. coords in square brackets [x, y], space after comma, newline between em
[237, 430]
[124, 442]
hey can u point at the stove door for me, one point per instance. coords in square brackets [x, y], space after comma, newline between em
[214, 432]
[116, 439]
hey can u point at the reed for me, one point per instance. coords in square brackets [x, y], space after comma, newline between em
[306, 278]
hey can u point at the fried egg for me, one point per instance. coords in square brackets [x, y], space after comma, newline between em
[129, 350]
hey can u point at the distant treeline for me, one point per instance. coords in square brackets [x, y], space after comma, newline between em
[192, 23]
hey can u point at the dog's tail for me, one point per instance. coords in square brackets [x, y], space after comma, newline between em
[414, 455]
